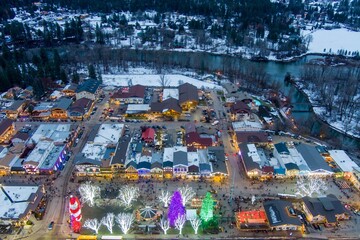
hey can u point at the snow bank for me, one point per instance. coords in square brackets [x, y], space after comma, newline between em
[152, 80]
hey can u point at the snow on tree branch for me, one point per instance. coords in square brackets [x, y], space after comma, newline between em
[108, 221]
[195, 223]
[128, 194]
[165, 198]
[92, 224]
[165, 225]
[310, 186]
[125, 221]
[179, 223]
[187, 193]
[89, 192]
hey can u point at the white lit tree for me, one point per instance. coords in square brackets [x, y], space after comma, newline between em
[195, 223]
[125, 221]
[108, 221]
[165, 225]
[310, 186]
[179, 222]
[92, 224]
[128, 194]
[165, 197]
[89, 192]
[187, 193]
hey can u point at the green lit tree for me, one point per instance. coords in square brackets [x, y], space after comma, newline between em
[207, 208]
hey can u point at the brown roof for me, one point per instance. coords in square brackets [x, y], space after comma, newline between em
[21, 135]
[6, 160]
[170, 103]
[188, 92]
[239, 107]
[251, 137]
[133, 91]
[5, 124]
[80, 105]
[194, 137]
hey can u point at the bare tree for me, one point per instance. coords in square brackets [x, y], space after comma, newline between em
[125, 220]
[164, 81]
[195, 223]
[310, 185]
[92, 224]
[187, 193]
[89, 192]
[128, 194]
[108, 221]
[179, 222]
[165, 198]
[165, 225]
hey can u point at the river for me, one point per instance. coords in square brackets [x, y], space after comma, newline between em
[207, 62]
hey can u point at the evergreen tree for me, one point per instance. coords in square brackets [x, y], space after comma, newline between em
[176, 208]
[207, 208]
[63, 76]
[92, 73]
[75, 77]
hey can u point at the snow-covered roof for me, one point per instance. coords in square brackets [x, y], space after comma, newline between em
[109, 133]
[151, 80]
[56, 132]
[14, 200]
[134, 108]
[343, 160]
[94, 151]
[246, 126]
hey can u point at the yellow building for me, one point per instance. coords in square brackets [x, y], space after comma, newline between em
[7, 130]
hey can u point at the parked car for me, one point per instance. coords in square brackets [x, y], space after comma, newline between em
[51, 225]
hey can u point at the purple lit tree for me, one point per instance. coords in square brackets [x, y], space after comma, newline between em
[176, 208]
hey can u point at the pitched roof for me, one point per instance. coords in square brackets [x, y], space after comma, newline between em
[148, 134]
[240, 107]
[251, 136]
[193, 169]
[278, 214]
[90, 85]
[16, 104]
[328, 207]
[180, 157]
[247, 160]
[144, 164]
[5, 124]
[21, 135]
[63, 103]
[218, 160]
[156, 165]
[120, 152]
[194, 137]
[81, 105]
[312, 157]
[132, 91]
[188, 92]
[168, 104]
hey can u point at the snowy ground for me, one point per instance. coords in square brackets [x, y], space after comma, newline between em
[349, 127]
[153, 80]
[333, 40]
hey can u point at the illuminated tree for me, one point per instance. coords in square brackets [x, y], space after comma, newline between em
[176, 208]
[165, 225]
[179, 222]
[92, 224]
[310, 185]
[125, 221]
[128, 194]
[187, 193]
[108, 221]
[195, 223]
[207, 208]
[89, 192]
[165, 197]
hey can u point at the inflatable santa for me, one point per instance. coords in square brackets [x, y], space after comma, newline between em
[75, 213]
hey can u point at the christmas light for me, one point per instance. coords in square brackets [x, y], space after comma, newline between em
[75, 214]
[176, 208]
[207, 208]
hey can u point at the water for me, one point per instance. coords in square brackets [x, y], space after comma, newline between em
[207, 62]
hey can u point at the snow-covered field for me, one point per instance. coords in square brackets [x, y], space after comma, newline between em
[334, 40]
[153, 80]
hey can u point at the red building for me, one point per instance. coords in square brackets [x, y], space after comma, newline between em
[148, 135]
